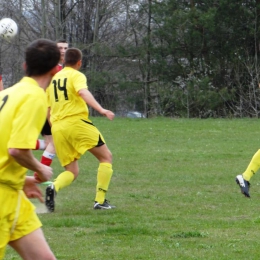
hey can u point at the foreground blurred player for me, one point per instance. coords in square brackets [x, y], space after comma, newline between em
[73, 132]
[23, 109]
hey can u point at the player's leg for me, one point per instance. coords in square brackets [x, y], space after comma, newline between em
[252, 168]
[33, 246]
[8, 207]
[68, 176]
[104, 174]
[40, 144]
[24, 229]
[64, 179]
[95, 144]
[81, 136]
[4, 223]
[46, 133]
[49, 152]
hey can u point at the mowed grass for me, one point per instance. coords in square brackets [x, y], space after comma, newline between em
[175, 192]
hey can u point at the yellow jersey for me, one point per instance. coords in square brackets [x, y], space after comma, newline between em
[23, 111]
[63, 97]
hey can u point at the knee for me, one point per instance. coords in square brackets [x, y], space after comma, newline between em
[51, 147]
[74, 171]
[109, 157]
[76, 174]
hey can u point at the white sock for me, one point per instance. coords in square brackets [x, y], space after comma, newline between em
[48, 155]
[42, 145]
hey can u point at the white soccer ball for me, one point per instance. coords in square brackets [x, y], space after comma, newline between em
[8, 28]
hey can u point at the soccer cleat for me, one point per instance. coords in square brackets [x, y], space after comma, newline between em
[49, 197]
[244, 185]
[105, 205]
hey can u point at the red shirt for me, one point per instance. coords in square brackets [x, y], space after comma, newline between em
[60, 67]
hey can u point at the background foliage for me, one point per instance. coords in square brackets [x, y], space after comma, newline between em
[173, 58]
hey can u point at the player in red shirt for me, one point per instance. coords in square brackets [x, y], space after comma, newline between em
[1, 83]
[49, 152]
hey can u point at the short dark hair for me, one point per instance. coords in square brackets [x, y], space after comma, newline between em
[41, 56]
[72, 56]
[61, 40]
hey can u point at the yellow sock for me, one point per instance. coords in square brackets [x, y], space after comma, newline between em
[253, 166]
[103, 179]
[63, 180]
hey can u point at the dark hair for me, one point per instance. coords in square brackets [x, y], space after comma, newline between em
[72, 56]
[41, 56]
[61, 40]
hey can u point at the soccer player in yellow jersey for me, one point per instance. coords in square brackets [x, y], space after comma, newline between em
[252, 168]
[73, 132]
[23, 110]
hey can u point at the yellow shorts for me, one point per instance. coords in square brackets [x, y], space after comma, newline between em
[17, 216]
[73, 137]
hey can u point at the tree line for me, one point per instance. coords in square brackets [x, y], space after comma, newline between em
[178, 58]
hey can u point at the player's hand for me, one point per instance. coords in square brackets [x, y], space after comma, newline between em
[44, 174]
[31, 189]
[109, 114]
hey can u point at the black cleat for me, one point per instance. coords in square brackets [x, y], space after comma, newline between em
[244, 185]
[105, 205]
[49, 198]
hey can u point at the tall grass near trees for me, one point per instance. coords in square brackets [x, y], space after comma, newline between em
[175, 192]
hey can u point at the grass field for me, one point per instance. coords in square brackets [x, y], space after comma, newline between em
[175, 193]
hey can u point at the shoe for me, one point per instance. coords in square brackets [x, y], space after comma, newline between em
[244, 185]
[49, 197]
[105, 205]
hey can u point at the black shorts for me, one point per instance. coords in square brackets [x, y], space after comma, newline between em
[46, 130]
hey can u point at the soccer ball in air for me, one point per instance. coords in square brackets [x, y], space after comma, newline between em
[8, 28]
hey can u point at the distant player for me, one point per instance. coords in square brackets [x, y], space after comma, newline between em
[20, 227]
[1, 83]
[73, 132]
[47, 143]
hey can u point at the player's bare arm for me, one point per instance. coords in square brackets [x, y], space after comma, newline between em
[91, 101]
[25, 158]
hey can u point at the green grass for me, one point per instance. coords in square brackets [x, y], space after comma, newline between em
[175, 193]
